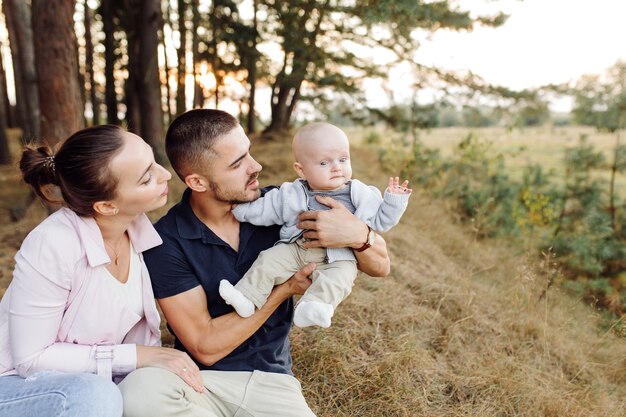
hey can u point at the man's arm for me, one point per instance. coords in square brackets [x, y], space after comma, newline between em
[210, 339]
[338, 228]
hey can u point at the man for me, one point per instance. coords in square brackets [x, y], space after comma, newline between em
[245, 363]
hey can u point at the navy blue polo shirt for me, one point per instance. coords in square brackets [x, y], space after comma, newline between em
[192, 255]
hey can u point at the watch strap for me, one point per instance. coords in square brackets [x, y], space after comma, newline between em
[104, 361]
[367, 243]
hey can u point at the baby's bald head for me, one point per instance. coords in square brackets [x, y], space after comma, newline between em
[322, 156]
[315, 136]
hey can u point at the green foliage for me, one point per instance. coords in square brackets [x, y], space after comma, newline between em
[600, 101]
[571, 219]
[477, 117]
[478, 181]
[403, 117]
[373, 138]
[533, 114]
[319, 40]
[586, 243]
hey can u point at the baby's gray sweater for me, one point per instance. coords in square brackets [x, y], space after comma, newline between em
[283, 205]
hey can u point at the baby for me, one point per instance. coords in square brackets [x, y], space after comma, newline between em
[322, 155]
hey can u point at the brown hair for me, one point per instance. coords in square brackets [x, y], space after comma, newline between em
[81, 167]
[191, 136]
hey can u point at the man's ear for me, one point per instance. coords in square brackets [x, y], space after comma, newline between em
[297, 166]
[106, 208]
[196, 182]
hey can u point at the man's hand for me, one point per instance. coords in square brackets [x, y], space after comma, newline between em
[333, 228]
[338, 228]
[299, 282]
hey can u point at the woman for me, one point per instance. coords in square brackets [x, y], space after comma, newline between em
[79, 311]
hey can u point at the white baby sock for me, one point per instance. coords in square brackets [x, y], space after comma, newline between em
[313, 313]
[234, 297]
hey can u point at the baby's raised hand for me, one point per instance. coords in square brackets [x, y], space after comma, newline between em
[395, 187]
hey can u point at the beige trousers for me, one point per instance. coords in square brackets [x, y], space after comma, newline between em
[156, 392]
[332, 282]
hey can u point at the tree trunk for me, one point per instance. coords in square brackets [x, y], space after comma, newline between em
[5, 152]
[131, 86]
[614, 169]
[299, 53]
[252, 73]
[56, 61]
[110, 96]
[168, 92]
[7, 105]
[89, 70]
[18, 20]
[83, 96]
[216, 63]
[294, 97]
[285, 96]
[281, 105]
[182, 62]
[148, 78]
[198, 95]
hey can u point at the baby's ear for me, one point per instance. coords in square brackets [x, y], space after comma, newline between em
[297, 166]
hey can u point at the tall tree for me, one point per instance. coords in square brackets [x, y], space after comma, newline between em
[300, 23]
[18, 20]
[89, 68]
[132, 84]
[198, 94]
[168, 93]
[182, 61]
[318, 39]
[108, 26]
[600, 101]
[246, 39]
[5, 153]
[56, 61]
[148, 78]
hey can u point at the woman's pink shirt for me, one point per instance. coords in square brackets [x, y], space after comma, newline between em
[57, 309]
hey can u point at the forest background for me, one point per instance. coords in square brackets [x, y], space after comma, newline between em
[508, 290]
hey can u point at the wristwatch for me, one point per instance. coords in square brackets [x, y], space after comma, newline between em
[104, 360]
[371, 236]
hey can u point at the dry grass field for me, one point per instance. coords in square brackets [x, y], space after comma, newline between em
[460, 327]
[544, 146]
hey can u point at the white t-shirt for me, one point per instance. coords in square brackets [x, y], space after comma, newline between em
[130, 292]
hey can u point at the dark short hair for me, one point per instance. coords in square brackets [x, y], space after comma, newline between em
[192, 135]
[81, 167]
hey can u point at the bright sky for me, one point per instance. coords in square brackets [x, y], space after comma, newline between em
[542, 42]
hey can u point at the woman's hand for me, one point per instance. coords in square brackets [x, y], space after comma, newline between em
[173, 360]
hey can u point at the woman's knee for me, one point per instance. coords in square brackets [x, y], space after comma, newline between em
[60, 395]
[94, 396]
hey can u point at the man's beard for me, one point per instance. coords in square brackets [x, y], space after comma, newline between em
[234, 196]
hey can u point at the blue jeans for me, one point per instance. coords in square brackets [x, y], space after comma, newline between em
[56, 394]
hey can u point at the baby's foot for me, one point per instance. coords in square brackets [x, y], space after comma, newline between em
[234, 297]
[313, 313]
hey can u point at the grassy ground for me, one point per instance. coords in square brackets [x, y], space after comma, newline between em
[460, 327]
